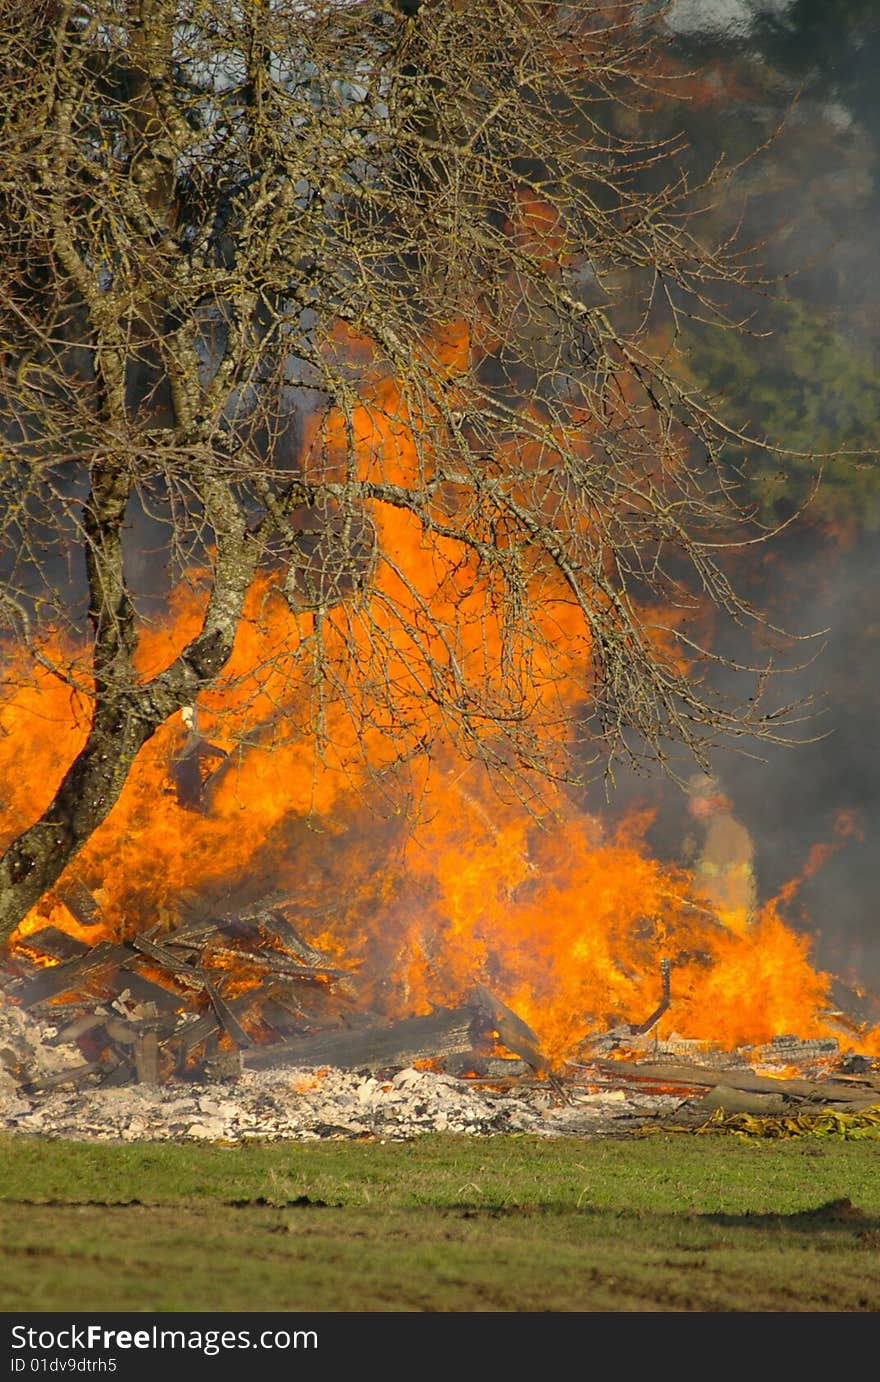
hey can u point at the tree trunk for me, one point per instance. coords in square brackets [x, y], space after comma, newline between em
[125, 716]
[88, 791]
[122, 723]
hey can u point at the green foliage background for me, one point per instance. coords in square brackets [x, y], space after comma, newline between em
[802, 83]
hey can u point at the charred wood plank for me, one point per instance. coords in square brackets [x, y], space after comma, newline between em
[250, 1003]
[143, 990]
[227, 1018]
[104, 970]
[820, 1091]
[193, 1034]
[16, 966]
[79, 901]
[60, 1014]
[55, 943]
[268, 960]
[512, 1032]
[277, 925]
[445, 1032]
[213, 923]
[70, 974]
[146, 1057]
[288, 992]
[166, 959]
[197, 930]
[239, 928]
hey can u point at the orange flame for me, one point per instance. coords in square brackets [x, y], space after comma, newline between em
[565, 918]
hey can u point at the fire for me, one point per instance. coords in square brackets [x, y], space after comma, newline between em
[566, 921]
[304, 1084]
[563, 915]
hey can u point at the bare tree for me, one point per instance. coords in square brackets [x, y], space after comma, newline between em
[367, 311]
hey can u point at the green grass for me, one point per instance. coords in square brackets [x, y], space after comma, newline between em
[669, 1223]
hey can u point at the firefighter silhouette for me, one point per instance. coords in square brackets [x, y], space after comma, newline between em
[721, 854]
[190, 767]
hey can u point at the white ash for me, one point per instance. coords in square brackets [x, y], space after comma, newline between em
[28, 1051]
[307, 1105]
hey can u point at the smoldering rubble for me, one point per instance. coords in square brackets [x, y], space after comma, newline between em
[285, 1103]
[48, 1091]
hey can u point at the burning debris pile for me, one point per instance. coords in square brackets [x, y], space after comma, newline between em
[219, 993]
[222, 993]
[502, 972]
[169, 1056]
[236, 1027]
[149, 1009]
[424, 920]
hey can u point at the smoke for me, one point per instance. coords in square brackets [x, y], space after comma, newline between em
[818, 207]
[730, 18]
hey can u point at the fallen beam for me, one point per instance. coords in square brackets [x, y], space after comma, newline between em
[277, 925]
[70, 975]
[849, 1092]
[444, 1032]
[513, 1033]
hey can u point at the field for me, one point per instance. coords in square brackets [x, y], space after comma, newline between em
[666, 1222]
